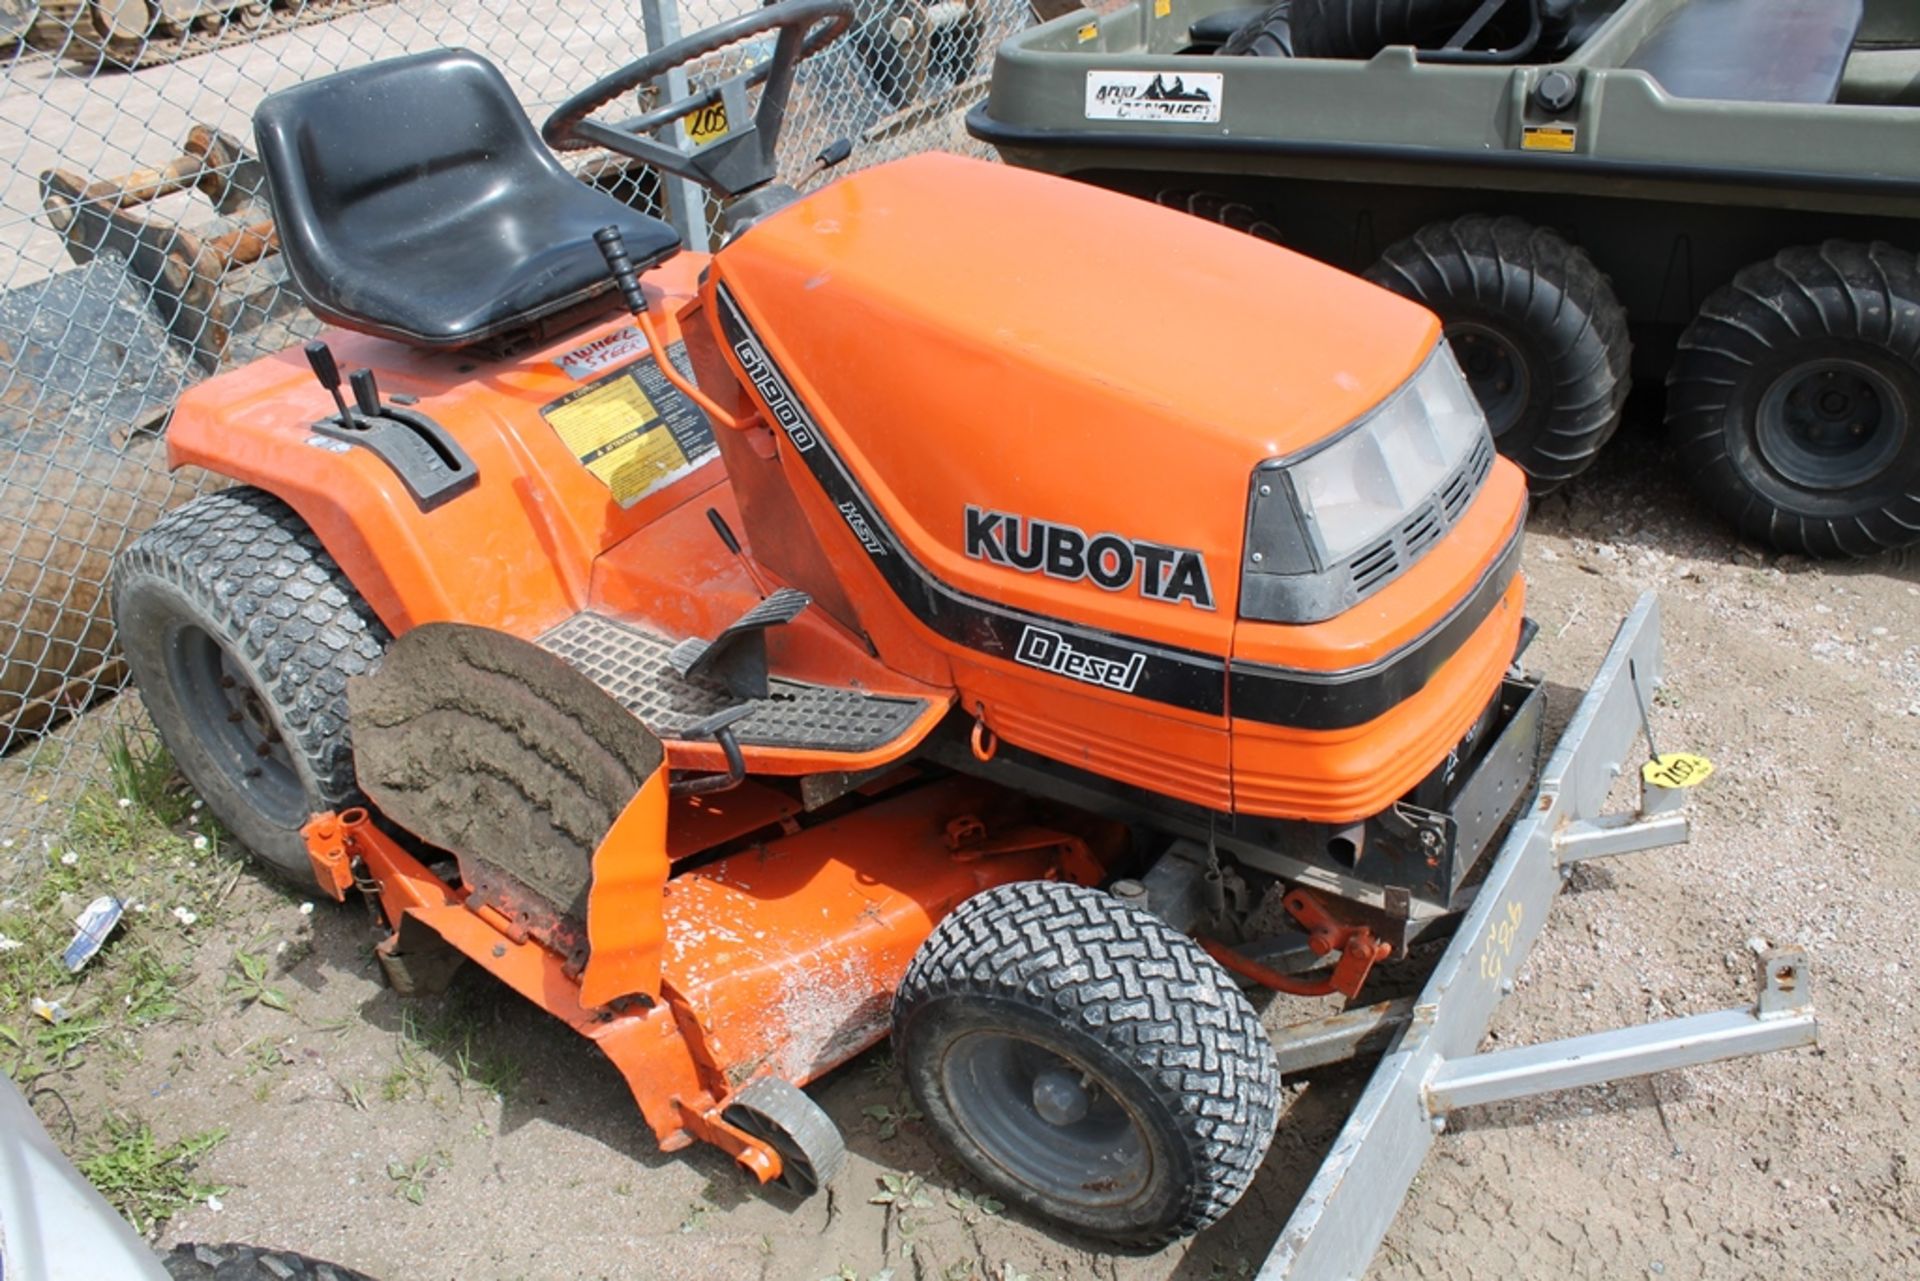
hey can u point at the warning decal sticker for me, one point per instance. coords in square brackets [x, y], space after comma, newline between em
[1548, 137]
[634, 430]
[1193, 98]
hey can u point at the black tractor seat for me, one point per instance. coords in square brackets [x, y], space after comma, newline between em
[1753, 50]
[415, 201]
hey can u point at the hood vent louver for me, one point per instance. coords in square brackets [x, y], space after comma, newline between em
[1397, 551]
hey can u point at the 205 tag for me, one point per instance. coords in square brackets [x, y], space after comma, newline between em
[708, 124]
[1676, 769]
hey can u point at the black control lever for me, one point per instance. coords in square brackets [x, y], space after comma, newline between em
[720, 727]
[366, 392]
[613, 247]
[732, 544]
[320, 357]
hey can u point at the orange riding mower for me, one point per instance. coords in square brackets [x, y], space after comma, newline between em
[968, 606]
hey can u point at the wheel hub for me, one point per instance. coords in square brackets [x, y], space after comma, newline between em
[1496, 372]
[1059, 1097]
[1831, 424]
[233, 720]
[1046, 1119]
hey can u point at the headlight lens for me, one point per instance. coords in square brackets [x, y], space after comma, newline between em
[1359, 487]
[1328, 528]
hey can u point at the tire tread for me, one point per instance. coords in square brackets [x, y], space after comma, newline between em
[1145, 991]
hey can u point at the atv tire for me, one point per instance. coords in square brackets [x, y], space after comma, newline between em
[1049, 1030]
[1362, 28]
[245, 1263]
[1535, 327]
[1794, 400]
[241, 632]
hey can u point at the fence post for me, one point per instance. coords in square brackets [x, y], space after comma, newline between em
[686, 200]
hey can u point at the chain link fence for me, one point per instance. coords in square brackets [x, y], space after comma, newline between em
[137, 256]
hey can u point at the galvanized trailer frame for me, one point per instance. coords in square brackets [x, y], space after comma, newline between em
[1432, 1066]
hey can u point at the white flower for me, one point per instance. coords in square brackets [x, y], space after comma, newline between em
[69, 858]
[9, 945]
[200, 842]
[184, 916]
[193, 820]
[126, 803]
[306, 909]
[213, 1203]
[6, 844]
[197, 803]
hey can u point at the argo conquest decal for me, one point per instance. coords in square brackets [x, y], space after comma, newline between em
[1111, 561]
[1188, 98]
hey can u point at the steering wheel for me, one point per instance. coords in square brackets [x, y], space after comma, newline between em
[805, 27]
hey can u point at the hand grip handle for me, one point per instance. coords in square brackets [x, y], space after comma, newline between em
[366, 392]
[613, 247]
[320, 358]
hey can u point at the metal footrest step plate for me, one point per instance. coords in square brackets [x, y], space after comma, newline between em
[632, 665]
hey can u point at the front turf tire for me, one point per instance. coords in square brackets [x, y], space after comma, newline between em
[1794, 401]
[241, 633]
[1088, 1062]
[1536, 328]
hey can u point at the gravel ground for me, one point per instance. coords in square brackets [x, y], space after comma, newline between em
[365, 1129]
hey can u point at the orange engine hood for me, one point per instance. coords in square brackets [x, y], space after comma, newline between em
[976, 336]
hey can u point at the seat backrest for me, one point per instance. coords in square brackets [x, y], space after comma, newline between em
[390, 153]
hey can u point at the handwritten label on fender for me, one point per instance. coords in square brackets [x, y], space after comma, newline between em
[1171, 97]
[617, 348]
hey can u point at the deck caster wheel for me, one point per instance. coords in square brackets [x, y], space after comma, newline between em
[1795, 400]
[1536, 329]
[779, 1114]
[241, 633]
[1088, 1062]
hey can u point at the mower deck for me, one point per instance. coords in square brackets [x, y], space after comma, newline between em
[781, 959]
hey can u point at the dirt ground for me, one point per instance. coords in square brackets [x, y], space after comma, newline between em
[467, 1137]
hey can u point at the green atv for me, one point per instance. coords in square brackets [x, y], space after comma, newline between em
[1723, 193]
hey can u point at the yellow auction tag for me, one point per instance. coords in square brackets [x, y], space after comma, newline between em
[709, 124]
[1091, 31]
[1676, 769]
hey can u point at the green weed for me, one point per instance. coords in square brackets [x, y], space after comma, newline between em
[412, 1175]
[145, 1181]
[249, 982]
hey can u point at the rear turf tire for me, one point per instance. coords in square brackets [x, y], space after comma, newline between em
[1536, 328]
[1088, 1062]
[1794, 400]
[241, 632]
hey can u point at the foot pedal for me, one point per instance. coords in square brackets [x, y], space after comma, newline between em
[737, 657]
